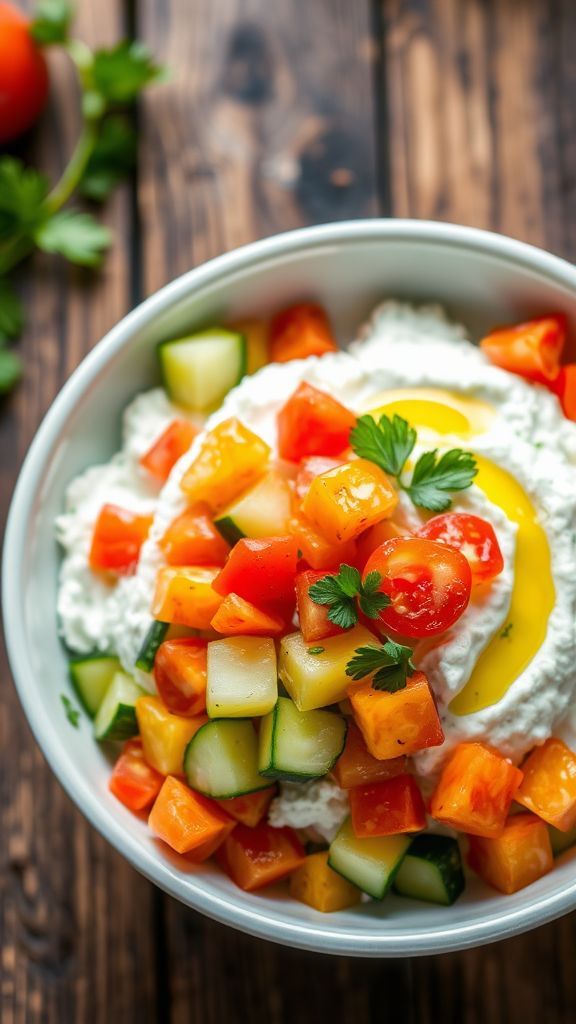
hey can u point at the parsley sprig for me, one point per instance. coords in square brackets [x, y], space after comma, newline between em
[345, 591]
[33, 215]
[390, 662]
[390, 442]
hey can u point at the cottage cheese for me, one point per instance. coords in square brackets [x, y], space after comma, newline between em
[319, 805]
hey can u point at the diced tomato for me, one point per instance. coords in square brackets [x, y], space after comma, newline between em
[255, 857]
[192, 539]
[345, 501]
[565, 387]
[396, 723]
[185, 595]
[117, 538]
[180, 675]
[475, 790]
[473, 536]
[251, 808]
[187, 821]
[133, 781]
[309, 469]
[231, 458]
[313, 423]
[316, 550]
[357, 767]
[517, 857]
[168, 448]
[314, 621]
[238, 617]
[299, 332]
[387, 808]
[428, 584]
[549, 784]
[261, 571]
[374, 537]
[532, 349]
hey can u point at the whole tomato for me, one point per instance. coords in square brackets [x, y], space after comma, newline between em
[23, 74]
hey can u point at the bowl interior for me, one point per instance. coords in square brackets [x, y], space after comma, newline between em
[481, 279]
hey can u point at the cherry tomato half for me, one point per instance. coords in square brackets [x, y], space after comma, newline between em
[471, 535]
[23, 74]
[180, 675]
[428, 585]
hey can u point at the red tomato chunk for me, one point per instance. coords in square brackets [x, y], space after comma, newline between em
[473, 537]
[118, 536]
[133, 781]
[168, 448]
[313, 423]
[261, 571]
[387, 808]
[180, 675]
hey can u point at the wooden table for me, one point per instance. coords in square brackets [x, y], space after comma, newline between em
[278, 113]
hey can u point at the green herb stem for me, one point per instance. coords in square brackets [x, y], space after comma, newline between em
[74, 172]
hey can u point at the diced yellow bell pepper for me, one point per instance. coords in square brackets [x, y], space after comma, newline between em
[164, 736]
[230, 460]
[345, 501]
[256, 334]
[184, 595]
[317, 680]
[316, 884]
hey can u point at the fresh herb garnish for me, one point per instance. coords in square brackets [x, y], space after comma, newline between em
[504, 635]
[391, 663]
[390, 442]
[316, 650]
[72, 714]
[341, 592]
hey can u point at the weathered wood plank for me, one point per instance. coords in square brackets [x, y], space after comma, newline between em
[76, 937]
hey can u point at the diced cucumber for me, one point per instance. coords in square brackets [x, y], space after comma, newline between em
[116, 718]
[561, 841]
[263, 511]
[431, 870]
[199, 370]
[299, 744]
[317, 680]
[221, 760]
[242, 680]
[156, 635]
[371, 864]
[91, 676]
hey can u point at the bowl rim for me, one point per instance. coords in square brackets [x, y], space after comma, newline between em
[255, 921]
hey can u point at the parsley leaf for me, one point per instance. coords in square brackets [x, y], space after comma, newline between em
[11, 312]
[52, 22]
[72, 714]
[388, 442]
[370, 599]
[505, 634]
[112, 159]
[22, 192]
[77, 236]
[119, 74]
[340, 592]
[316, 650]
[434, 477]
[390, 662]
[10, 370]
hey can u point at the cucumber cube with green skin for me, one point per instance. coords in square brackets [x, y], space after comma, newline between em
[299, 745]
[91, 676]
[561, 841]
[116, 718]
[263, 511]
[199, 370]
[318, 680]
[221, 759]
[242, 678]
[432, 870]
[370, 864]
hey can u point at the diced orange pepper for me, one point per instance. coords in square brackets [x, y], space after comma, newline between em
[180, 675]
[387, 808]
[397, 723]
[316, 884]
[168, 448]
[256, 335]
[299, 332]
[164, 735]
[357, 767]
[238, 617]
[251, 808]
[376, 535]
[345, 501]
[309, 469]
[230, 460]
[185, 820]
[316, 550]
[314, 621]
[255, 857]
[532, 349]
[517, 857]
[192, 539]
[117, 538]
[549, 784]
[133, 781]
[475, 790]
[185, 595]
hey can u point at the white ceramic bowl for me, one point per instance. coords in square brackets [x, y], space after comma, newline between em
[483, 278]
